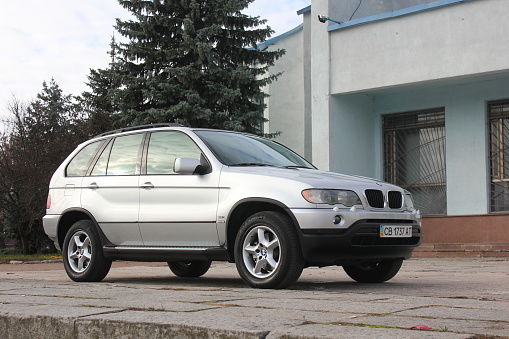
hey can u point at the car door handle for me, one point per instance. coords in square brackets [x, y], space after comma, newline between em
[147, 185]
[93, 186]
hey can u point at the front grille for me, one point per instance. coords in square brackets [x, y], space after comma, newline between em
[395, 199]
[375, 198]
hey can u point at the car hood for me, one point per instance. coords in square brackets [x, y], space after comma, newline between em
[315, 178]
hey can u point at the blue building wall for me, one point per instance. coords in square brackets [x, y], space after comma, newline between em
[356, 138]
[353, 147]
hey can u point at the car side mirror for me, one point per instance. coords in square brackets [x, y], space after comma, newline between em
[189, 166]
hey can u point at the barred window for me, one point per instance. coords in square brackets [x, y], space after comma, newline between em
[499, 155]
[414, 157]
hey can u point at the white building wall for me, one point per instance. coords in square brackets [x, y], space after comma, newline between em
[286, 110]
[448, 42]
[320, 86]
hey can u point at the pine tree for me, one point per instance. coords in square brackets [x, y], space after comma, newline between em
[99, 103]
[190, 61]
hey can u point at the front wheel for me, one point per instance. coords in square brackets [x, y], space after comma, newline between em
[267, 251]
[189, 269]
[82, 252]
[374, 272]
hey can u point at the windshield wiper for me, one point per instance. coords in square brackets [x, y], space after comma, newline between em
[252, 164]
[297, 166]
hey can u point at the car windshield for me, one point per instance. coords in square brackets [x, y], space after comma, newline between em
[235, 149]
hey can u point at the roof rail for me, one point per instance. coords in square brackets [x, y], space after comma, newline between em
[134, 128]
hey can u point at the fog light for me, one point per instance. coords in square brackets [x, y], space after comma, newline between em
[337, 220]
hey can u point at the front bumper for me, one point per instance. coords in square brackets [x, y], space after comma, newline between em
[356, 238]
[324, 218]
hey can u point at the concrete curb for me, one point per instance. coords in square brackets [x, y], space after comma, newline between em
[20, 262]
[126, 324]
[20, 326]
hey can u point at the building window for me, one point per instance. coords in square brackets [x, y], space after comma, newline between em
[499, 155]
[414, 157]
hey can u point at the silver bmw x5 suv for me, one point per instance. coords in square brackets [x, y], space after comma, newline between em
[189, 196]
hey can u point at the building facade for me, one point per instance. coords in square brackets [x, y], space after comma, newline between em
[413, 92]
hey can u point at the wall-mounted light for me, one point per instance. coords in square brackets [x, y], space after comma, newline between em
[324, 19]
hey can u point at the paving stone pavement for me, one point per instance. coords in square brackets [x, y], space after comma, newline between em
[454, 297]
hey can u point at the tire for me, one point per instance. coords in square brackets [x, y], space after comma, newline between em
[189, 269]
[374, 272]
[267, 251]
[82, 253]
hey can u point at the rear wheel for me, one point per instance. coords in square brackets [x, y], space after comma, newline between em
[82, 252]
[267, 251]
[374, 272]
[189, 269]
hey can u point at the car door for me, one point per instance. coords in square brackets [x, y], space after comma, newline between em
[176, 210]
[111, 191]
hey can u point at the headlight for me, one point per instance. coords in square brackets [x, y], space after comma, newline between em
[331, 197]
[409, 202]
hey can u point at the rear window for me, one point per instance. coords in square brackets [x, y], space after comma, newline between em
[81, 161]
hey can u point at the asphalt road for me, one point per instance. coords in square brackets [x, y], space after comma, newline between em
[453, 298]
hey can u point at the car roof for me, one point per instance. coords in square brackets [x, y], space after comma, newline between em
[140, 127]
[173, 126]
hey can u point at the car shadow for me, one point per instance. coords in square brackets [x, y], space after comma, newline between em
[342, 286]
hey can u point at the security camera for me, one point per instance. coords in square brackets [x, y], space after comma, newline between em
[324, 19]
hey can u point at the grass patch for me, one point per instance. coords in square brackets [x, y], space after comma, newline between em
[6, 258]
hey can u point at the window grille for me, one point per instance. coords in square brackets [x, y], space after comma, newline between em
[414, 157]
[499, 155]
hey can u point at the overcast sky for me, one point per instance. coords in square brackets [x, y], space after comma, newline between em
[63, 39]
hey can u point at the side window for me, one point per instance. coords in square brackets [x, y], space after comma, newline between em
[165, 147]
[123, 157]
[79, 164]
[102, 163]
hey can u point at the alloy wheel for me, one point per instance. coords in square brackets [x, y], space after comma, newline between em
[79, 251]
[261, 252]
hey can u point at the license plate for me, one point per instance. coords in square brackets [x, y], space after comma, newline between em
[395, 231]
